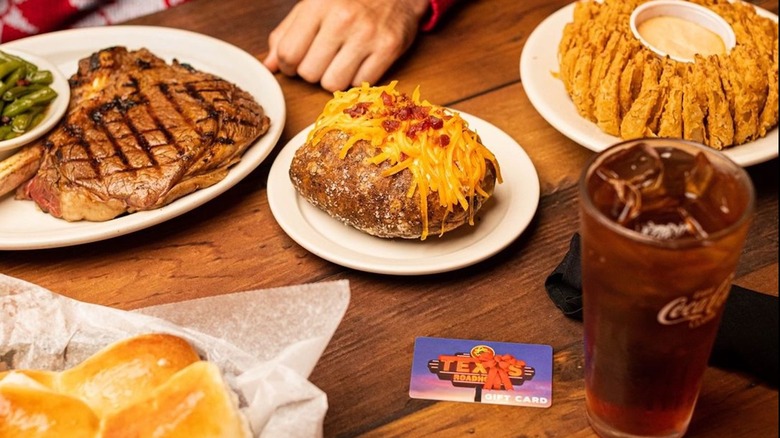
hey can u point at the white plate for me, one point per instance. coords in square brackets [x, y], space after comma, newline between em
[498, 223]
[24, 226]
[55, 109]
[538, 63]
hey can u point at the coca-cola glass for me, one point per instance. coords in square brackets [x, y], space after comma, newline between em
[662, 224]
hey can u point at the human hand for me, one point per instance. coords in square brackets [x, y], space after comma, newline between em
[339, 43]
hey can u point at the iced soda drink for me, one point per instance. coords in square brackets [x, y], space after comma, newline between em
[662, 227]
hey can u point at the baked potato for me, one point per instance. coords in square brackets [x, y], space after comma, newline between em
[393, 166]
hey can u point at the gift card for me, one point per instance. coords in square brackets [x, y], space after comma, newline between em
[464, 370]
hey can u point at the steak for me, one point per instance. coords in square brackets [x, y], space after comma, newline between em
[139, 134]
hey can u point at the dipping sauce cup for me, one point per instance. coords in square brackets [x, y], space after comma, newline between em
[662, 224]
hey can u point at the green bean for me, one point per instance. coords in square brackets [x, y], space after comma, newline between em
[24, 103]
[24, 121]
[24, 95]
[12, 134]
[8, 67]
[21, 90]
[4, 56]
[21, 122]
[12, 79]
[43, 77]
[37, 119]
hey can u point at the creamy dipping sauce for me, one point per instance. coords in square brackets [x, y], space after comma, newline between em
[680, 38]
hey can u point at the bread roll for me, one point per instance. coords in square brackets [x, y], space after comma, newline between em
[47, 379]
[394, 166]
[126, 371]
[152, 385]
[29, 409]
[192, 403]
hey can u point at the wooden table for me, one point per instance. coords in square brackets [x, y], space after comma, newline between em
[233, 244]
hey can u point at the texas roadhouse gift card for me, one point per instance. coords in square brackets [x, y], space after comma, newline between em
[464, 370]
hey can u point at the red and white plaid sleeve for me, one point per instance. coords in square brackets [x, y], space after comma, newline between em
[438, 9]
[21, 18]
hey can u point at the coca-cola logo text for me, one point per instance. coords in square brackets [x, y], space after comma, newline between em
[696, 309]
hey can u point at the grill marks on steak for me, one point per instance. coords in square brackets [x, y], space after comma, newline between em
[139, 134]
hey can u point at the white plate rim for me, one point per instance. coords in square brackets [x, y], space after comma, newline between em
[32, 229]
[538, 62]
[516, 199]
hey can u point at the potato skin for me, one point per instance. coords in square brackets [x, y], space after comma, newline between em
[354, 191]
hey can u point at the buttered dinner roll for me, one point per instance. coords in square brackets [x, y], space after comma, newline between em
[46, 378]
[147, 386]
[193, 403]
[29, 409]
[126, 371]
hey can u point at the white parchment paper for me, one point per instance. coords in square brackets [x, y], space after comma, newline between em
[266, 342]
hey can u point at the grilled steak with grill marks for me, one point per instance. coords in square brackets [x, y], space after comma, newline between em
[139, 134]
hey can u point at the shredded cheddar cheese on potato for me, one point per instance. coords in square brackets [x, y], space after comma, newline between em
[434, 143]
